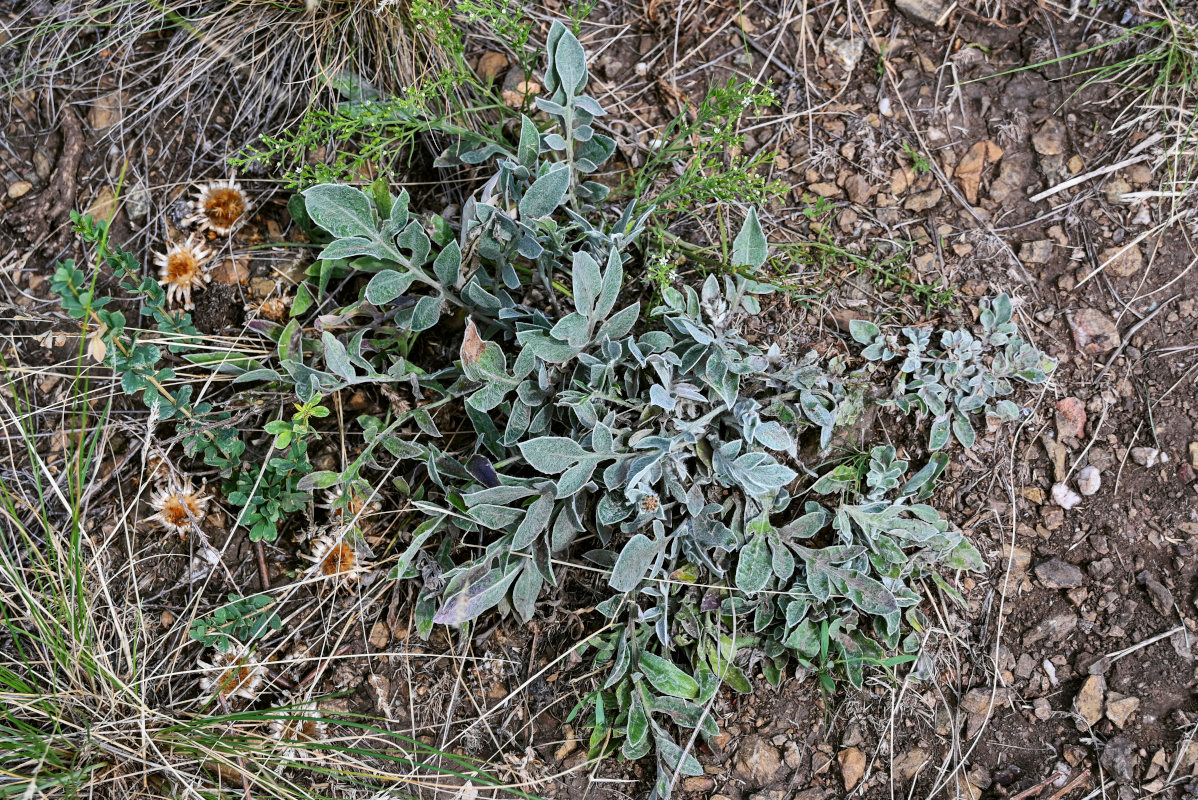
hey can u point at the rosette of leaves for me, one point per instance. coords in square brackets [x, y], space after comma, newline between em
[657, 445]
[961, 375]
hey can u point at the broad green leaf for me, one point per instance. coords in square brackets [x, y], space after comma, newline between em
[633, 562]
[341, 210]
[585, 283]
[638, 722]
[674, 757]
[753, 566]
[963, 431]
[570, 63]
[535, 521]
[864, 331]
[546, 193]
[940, 432]
[666, 677]
[321, 479]
[750, 248]
[525, 591]
[552, 455]
[529, 147]
[483, 361]
[447, 265]
[387, 285]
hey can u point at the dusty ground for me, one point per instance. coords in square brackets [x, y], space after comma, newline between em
[1071, 672]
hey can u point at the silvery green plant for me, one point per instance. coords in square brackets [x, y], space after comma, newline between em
[961, 375]
[663, 448]
[664, 452]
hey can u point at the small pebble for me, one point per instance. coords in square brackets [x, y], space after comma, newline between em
[1148, 456]
[19, 189]
[1065, 497]
[1089, 481]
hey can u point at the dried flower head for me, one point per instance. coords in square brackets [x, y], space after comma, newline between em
[181, 269]
[649, 503]
[220, 206]
[232, 674]
[336, 559]
[178, 506]
[302, 725]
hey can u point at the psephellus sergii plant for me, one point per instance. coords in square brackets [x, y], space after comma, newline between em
[661, 449]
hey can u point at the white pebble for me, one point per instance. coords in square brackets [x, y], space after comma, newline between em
[1148, 456]
[1089, 481]
[1065, 497]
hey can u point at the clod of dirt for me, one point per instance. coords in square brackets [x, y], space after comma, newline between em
[380, 635]
[969, 171]
[1037, 252]
[1148, 456]
[516, 89]
[1058, 574]
[1054, 628]
[757, 761]
[1057, 454]
[107, 110]
[1093, 332]
[1071, 418]
[769, 794]
[933, 12]
[1088, 704]
[824, 189]
[852, 767]
[1119, 708]
[1115, 189]
[1049, 139]
[1089, 481]
[1158, 593]
[859, 189]
[1122, 262]
[232, 271]
[1065, 497]
[924, 201]
[104, 206]
[1119, 759]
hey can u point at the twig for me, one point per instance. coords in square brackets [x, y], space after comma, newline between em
[1132, 332]
[1039, 787]
[59, 195]
[1103, 664]
[1073, 784]
[1074, 181]
[265, 575]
